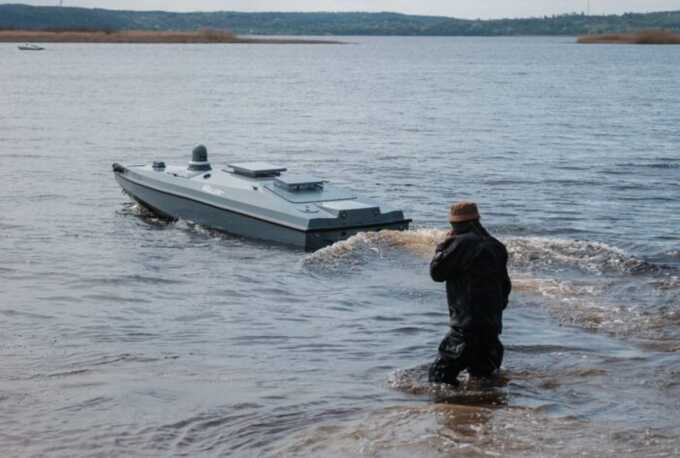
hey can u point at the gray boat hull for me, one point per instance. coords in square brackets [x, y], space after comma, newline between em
[176, 206]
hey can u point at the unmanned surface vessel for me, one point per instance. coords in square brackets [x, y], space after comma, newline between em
[255, 199]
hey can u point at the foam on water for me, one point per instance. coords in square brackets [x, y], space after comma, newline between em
[362, 247]
[591, 257]
[471, 391]
[143, 213]
[581, 283]
[586, 300]
[524, 252]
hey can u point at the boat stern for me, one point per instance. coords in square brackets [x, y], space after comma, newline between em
[321, 238]
[348, 218]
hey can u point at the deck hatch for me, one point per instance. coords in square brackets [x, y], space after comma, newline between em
[325, 194]
[299, 183]
[256, 169]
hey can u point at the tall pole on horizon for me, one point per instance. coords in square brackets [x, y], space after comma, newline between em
[588, 7]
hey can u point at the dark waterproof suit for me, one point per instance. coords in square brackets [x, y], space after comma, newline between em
[474, 266]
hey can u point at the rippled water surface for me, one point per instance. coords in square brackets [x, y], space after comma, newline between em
[123, 335]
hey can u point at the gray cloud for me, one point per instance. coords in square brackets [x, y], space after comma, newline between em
[457, 8]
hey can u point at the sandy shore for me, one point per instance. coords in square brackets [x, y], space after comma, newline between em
[648, 37]
[202, 36]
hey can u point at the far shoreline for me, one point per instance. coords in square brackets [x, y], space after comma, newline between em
[145, 37]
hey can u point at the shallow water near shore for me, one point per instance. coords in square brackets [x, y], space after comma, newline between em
[124, 335]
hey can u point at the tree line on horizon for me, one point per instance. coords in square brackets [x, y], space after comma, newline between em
[25, 17]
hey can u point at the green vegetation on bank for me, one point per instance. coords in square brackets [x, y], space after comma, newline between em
[23, 17]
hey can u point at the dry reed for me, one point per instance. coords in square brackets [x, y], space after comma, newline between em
[645, 37]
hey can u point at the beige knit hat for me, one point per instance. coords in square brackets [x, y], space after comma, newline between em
[463, 211]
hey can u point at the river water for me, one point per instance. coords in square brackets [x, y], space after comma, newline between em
[123, 335]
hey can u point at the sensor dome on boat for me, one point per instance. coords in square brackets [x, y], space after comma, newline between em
[199, 159]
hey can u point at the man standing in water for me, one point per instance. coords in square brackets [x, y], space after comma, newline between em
[474, 266]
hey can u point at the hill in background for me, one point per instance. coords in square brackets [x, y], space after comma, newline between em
[26, 17]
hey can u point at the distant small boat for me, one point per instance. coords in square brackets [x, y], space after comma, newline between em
[30, 47]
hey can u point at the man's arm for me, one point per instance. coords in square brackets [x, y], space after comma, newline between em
[446, 259]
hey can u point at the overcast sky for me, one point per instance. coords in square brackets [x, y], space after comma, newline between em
[457, 8]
